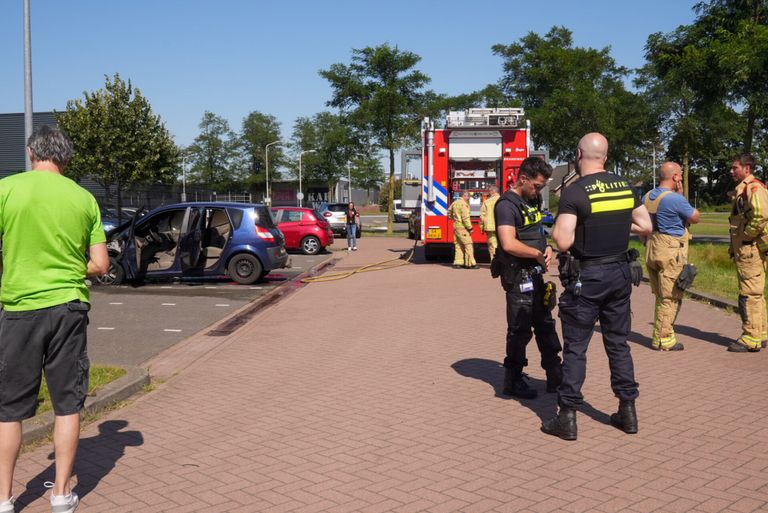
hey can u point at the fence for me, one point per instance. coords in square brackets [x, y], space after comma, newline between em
[152, 196]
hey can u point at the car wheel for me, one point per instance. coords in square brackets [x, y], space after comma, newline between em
[115, 274]
[310, 245]
[244, 269]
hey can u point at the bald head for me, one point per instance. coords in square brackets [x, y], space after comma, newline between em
[594, 146]
[668, 170]
[671, 176]
[591, 154]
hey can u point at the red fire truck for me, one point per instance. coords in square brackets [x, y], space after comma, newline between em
[476, 149]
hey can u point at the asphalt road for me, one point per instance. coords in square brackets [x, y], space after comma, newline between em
[129, 325]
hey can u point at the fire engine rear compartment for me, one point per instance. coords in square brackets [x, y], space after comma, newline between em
[477, 149]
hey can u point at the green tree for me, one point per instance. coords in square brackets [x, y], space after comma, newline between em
[333, 145]
[723, 55]
[257, 131]
[367, 172]
[212, 156]
[382, 95]
[393, 189]
[568, 91]
[117, 139]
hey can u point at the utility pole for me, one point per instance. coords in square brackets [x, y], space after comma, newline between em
[653, 169]
[27, 84]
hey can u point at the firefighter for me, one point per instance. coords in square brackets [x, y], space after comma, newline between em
[523, 258]
[667, 251]
[488, 221]
[595, 217]
[464, 256]
[749, 244]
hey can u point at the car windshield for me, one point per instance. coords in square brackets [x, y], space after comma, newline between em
[318, 215]
[337, 207]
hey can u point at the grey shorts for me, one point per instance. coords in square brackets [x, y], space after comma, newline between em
[51, 339]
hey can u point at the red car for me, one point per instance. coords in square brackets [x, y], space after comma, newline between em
[304, 228]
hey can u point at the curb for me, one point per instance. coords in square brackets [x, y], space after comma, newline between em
[135, 379]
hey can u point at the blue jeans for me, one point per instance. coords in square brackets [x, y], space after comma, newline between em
[351, 233]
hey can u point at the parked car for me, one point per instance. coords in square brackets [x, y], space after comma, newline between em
[304, 229]
[414, 224]
[335, 214]
[238, 240]
[400, 214]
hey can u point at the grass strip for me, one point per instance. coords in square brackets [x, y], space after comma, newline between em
[100, 375]
[717, 272]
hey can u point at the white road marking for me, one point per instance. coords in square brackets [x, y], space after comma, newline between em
[167, 304]
[166, 287]
[172, 330]
[222, 304]
[211, 287]
[115, 303]
[104, 328]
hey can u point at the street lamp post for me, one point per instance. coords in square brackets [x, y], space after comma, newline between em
[349, 180]
[301, 194]
[267, 199]
[28, 112]
[183, 179]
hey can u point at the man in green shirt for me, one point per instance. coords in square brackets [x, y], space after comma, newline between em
[48, 223]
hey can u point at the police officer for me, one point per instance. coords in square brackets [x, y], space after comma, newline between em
[667, 251]
[524, 256]
[749, 245]
[594, 221]
[488, 221]
[464, 254]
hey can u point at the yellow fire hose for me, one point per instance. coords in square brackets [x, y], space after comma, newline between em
[392, 263]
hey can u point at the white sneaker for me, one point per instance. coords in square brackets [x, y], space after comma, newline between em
[64, 503]
[349, 249]
[7, 506]
[354, 248]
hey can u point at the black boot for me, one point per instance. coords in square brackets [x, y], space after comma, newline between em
[515, 385]
[562, 425]
[626, 418]
[554, 378]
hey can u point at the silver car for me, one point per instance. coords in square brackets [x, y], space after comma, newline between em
[336, 215]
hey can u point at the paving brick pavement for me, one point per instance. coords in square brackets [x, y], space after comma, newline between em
[381, 393]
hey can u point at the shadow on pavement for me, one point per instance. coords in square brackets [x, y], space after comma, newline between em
[96, 457]
[640, 339]
[545, 406]
[713, 338]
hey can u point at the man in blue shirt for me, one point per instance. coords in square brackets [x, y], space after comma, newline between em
[667, 251]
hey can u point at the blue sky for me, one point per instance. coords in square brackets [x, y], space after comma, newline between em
[235, 56]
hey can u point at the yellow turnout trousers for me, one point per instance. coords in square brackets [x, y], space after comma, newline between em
[664, 258]
[493, 242]
[750, 267]
[464, 253]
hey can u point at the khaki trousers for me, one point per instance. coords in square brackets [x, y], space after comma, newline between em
[750, 266]
[464, 253]
[664, 258]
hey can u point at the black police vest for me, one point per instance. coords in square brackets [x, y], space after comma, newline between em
[530, 233]
[604, 232]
